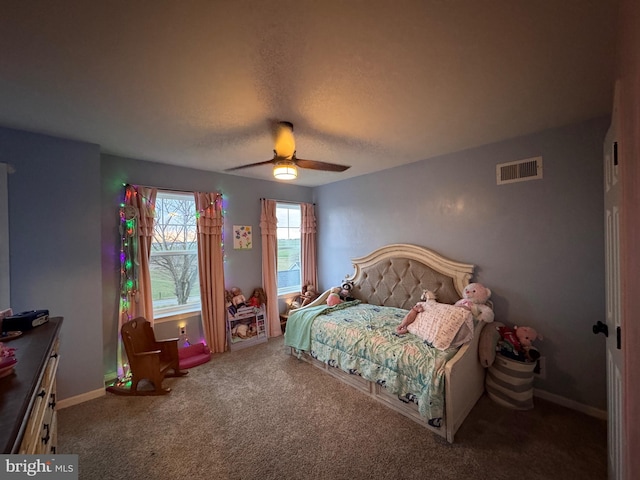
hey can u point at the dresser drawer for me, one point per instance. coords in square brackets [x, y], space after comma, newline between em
[51, 368]
[28, 396]
[40, 434]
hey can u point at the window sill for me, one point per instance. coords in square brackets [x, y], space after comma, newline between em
[173, 316]
[287, 292]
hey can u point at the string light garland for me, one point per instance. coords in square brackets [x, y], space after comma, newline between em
[129, 220]
[129, 245]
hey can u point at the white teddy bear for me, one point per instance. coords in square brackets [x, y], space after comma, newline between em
[474, 298]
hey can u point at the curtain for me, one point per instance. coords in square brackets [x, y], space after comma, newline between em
[211, 269]
[308, 245]
[268, 227]
[137, 214]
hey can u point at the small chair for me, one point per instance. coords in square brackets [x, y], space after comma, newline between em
[193, 355]
[149, 359]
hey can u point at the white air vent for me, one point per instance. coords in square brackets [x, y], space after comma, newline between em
[519, 171]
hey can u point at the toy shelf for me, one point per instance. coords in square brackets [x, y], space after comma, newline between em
[246, 327]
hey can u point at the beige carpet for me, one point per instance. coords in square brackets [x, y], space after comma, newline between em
[261, 414]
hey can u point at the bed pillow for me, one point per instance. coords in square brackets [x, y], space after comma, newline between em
[442, 325]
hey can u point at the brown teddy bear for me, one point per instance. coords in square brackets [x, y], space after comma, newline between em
[309, 294]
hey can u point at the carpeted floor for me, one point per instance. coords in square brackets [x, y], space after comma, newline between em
[261, 414]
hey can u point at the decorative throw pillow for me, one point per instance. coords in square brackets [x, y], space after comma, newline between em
[443, 325]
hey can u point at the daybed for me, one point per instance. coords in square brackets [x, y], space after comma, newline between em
[356, 341]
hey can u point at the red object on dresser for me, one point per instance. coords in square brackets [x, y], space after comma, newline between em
[193, 355]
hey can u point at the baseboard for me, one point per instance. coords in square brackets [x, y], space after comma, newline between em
[572, 404]
[85, 397]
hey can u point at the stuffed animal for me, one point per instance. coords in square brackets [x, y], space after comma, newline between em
[241, 331]
[334, 297]
[309, 294]
[474, 298]
[345, 291]
[488, 343]
[516, 343]
[428, 296]
[253, 330]
[526, 336]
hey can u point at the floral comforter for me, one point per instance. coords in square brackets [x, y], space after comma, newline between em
[361, 340]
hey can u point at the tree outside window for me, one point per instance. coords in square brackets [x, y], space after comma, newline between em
[175, 285]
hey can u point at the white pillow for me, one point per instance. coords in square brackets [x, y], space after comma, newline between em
[443, 325]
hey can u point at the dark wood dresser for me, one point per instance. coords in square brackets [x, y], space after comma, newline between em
[28, 396]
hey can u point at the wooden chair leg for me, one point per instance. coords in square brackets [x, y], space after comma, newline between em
[176, 372]
[159, 390]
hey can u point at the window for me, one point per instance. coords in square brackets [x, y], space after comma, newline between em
[289, 248]
[173, 265]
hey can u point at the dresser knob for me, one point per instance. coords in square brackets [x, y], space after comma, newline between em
[46, 438]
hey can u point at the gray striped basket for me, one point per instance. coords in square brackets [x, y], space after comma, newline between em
[510, 383]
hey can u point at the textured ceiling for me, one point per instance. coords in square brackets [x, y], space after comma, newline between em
[372, 84]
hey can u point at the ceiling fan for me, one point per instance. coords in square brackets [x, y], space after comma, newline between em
[285, 163]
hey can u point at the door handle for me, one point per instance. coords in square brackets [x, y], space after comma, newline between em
[601, 328]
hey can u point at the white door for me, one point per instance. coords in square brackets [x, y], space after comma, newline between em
[612, 328]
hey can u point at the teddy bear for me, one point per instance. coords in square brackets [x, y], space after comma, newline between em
[309, 294]
[516, 343]
[334, 297]
[474, 298]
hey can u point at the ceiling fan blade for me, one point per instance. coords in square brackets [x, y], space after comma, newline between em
[285, 152]
[250, 165]
[316, 165]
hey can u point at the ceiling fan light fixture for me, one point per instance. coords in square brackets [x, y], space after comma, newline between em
[285, 170]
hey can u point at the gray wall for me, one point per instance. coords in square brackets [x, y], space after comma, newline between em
[243, 268]
[54, 227]
[539, 245]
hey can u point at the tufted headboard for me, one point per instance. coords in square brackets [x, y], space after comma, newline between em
[397, 274]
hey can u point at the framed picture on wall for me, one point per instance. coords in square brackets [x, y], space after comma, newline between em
[242, 237]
